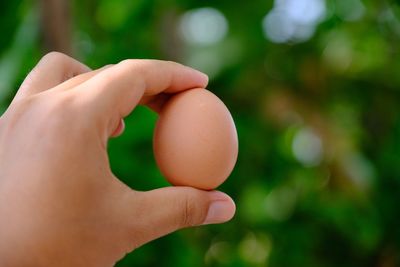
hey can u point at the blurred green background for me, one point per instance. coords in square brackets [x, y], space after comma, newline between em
[313, 86]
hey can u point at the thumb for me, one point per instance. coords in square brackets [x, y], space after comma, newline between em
[168, 209]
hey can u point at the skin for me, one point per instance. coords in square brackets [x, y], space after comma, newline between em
[60, 203]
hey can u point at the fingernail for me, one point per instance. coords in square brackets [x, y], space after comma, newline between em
[220, 210]
[120, 129]
[204, 77]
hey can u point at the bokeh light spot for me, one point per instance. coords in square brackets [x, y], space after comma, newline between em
[293, 20]
[219, 251]
[304, 11]
[360, 170]
[280, 203]
[277, 28]
[255, 249]
[338, 53]
[307, 147]
[203, 26]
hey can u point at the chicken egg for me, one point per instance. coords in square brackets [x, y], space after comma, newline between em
[195, 140]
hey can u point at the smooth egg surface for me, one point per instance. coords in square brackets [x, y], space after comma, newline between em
[195, 140]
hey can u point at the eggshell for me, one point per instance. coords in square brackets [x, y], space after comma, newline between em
[195, 140]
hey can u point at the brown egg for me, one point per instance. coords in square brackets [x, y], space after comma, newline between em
[195, 140]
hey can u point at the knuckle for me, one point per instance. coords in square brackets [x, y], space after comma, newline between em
[191, 211]
[134, 65]
[130, 63]
[173, 63]
[138, 68]
[140, 65]
[187, 214]
[54, 57]
[64, 64]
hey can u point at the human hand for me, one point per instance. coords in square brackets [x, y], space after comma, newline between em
[60, 203]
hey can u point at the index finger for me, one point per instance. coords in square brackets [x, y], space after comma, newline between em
[117, 90]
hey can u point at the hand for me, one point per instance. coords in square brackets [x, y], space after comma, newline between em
[60, 204]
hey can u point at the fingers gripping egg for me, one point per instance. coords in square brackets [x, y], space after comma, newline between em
[195, 140]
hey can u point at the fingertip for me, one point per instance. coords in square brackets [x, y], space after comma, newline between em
[203, 79]
[222, 208]
[199, 78]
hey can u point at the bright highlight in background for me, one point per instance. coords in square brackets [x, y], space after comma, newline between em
[293, 20]
[203, 26]
[307, 147]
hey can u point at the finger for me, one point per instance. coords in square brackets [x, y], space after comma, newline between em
[53, 69]
[117, 90]
[168, 209]
[79, 79]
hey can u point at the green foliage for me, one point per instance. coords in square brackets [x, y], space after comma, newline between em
[317, 181]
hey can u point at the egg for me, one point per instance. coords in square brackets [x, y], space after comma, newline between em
[195, 141]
